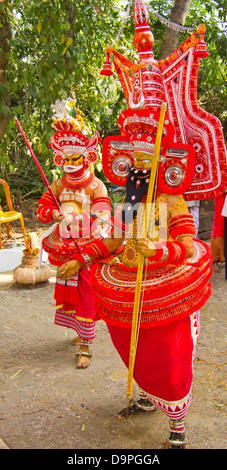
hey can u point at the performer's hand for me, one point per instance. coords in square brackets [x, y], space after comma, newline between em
[145, 247]
[68, 269]
[56, 216]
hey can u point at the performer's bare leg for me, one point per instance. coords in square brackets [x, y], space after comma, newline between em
[215, 267]
[84, 354]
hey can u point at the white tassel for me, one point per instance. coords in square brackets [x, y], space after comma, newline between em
[49, 231]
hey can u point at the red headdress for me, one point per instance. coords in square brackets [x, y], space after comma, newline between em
[71, 137]
[193, 156]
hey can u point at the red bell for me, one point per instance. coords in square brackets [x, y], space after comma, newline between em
[107, 67]
[201, 50]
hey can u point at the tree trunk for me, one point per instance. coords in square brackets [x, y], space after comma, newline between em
[5, 35]
[170, 41]
[70, 15]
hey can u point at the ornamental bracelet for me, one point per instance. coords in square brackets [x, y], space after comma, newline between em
[165, 254]
[87, 259]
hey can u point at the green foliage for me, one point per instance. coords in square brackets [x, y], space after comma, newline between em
[56, 51]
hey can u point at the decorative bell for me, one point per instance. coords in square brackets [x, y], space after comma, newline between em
[107, 67]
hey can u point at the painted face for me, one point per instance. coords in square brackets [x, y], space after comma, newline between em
[142, 160]
[73, 163]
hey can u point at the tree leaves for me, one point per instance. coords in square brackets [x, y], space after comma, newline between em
[39, 27]
[57, 50]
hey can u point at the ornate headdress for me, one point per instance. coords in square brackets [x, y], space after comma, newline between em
[193, 156]
[72, 134]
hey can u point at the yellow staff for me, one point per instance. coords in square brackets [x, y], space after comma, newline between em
[139, 277]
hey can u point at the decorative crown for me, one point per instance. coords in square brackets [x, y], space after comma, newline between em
[68, 117]
[72, 133]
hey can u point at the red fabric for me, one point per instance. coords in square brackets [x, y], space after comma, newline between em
[84, 329]
[173, 256]
[218, 222]
[64, 294]
[77, 297]
[46, 206]
[164, 358]
[170, 293]
[86, 306]
[46, 199]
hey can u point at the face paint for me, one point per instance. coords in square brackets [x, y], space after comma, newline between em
[73, 163]
[142, 160]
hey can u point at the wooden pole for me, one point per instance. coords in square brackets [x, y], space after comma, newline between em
[139, 278]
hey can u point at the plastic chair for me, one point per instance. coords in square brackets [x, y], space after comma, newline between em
[11, 215]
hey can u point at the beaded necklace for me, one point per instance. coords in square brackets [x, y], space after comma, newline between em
[74, 181]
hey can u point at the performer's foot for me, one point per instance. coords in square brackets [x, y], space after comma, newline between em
[84, 355]
[215, 267]
[176, 441]
[139, 405]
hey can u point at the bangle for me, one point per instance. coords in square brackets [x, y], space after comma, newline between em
[84, 260]
[169, 253]
[180, 252]
[165, 254]
[97, 250]
[79, 258]
[87, 259]
[181, 225]
[159, 253]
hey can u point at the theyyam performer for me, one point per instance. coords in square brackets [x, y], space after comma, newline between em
[169, 151]
[78, 191]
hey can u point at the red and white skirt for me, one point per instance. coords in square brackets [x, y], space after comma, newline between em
[75, 307]
[169, 323]
[164, 362]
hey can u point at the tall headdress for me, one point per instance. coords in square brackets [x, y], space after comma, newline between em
[71, 136]
[193, 155]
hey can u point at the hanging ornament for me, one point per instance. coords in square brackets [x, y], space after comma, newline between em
[201, 48]
[170, 24]
[107, 67]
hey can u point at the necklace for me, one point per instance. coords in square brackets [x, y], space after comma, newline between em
[73, 181]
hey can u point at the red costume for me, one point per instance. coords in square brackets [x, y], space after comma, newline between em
[78, 191]
[193, 163]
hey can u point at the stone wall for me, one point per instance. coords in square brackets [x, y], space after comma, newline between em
[206, 215]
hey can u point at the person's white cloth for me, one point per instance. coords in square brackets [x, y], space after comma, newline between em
[193, 207]
[224, 210]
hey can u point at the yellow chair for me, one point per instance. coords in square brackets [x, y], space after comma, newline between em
[11, 215]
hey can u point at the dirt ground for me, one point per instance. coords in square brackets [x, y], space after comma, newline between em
[46, 403]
